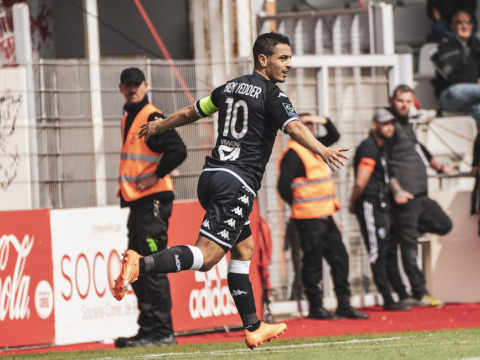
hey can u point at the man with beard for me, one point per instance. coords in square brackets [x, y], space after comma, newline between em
[414, 212]
[370, 203]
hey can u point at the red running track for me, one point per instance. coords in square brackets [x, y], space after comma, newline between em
[451, 316]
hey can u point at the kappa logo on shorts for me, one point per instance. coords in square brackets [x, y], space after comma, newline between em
[238, 210]
[206, 224]
[244, 199]
[224, 234]
[290, 109]
[230, 222]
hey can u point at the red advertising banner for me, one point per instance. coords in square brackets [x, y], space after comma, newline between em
[203, 300]
[26, 278]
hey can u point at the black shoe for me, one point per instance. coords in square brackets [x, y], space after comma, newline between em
[142, 340]
[122, 342]
[409, 301]
[166, 340]
[394, 306]
[350, 312]
[321, 313]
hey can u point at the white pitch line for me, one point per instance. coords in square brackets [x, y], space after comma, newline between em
[281, 348]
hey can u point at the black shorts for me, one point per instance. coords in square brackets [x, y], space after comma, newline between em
[228, 202]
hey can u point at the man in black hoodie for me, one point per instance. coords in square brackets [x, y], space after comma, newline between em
[414, 212]
[457, 63]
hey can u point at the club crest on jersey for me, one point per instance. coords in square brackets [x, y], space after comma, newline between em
[290, 109]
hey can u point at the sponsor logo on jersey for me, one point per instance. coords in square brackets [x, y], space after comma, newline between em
[281, 94]
[290, 109]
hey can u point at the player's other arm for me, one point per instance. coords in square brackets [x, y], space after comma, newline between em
[300, 133]
[181, 117]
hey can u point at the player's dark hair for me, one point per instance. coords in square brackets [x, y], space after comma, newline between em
[402, 88]
[265, 44]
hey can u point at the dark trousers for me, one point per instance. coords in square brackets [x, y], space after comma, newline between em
[147, 234]
[292, 242]
[374, 217]
[321, 238]
[419, 215]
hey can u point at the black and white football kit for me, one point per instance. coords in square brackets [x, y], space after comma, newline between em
[251, 110]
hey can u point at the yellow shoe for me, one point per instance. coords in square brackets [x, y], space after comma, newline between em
[128, 274]
[429, 300]
[265, 332]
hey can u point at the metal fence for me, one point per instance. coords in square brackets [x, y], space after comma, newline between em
[347, 88]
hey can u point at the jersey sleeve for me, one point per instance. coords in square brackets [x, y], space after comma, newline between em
[279, 108]
[208, 105]
[367, 156]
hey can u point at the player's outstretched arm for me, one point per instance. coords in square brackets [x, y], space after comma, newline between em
[333, 157]
[180, 117]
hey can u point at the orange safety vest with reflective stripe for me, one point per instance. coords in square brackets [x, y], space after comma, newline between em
[137, 160]
[314, 195]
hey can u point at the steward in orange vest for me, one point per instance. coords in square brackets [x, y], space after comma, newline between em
[159, 156]
[306, 184]
[313, 196]
[147, 189]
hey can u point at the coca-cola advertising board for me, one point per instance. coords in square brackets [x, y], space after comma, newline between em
[26, 279]
[87, 246]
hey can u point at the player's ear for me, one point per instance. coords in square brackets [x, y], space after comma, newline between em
[262, 60]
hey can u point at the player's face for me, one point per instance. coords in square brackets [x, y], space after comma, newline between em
[402, 102]
[462, 25]
[279, 64]
[133, 92]
[385, 130]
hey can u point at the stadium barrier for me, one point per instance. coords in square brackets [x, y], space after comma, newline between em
[57, 269]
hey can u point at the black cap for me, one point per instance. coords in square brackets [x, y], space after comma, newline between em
[132, 75]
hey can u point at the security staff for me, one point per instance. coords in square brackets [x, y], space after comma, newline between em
[306, 184]
[147, 189]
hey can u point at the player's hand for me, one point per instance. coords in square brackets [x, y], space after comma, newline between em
[150, 128]
[333, 157]
[401, 197]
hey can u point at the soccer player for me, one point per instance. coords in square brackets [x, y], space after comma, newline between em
[251, 110]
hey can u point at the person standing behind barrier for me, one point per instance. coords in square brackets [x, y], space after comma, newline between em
[292, 242]
[371, 204]
[307, 186]
[457, 64]
[147, 189]
[414, 212]
[251, 108]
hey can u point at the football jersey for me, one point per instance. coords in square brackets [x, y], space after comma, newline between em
[251, 110]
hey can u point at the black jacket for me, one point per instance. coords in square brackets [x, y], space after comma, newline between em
[456, 62]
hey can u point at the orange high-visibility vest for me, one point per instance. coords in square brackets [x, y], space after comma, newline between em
[314, 195]
[137, 160]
